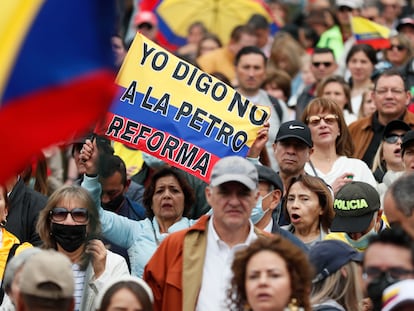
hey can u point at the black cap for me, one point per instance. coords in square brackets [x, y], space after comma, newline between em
[407, 139]
[295, 129]
[355, 204]
[395, 125]
[269, 175]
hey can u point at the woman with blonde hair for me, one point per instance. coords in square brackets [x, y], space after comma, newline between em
[337, 284]
[400, 50]
[270, 274]
[69, 223]
[368, 106]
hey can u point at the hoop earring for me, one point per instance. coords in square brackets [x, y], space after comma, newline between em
[3, 223]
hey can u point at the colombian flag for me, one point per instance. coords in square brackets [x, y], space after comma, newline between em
[56, 76]
[368, 32]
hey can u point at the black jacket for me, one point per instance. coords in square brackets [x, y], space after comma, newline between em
[24, 207]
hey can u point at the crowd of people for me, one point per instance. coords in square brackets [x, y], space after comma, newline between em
[318, 216]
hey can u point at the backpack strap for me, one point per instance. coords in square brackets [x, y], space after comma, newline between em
[276, 105]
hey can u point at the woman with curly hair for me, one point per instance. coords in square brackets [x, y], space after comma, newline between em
[270, 274]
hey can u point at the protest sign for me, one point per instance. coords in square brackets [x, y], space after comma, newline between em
[178, 113]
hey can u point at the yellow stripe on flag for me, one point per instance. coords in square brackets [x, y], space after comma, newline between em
[363, 26]
[16, 16]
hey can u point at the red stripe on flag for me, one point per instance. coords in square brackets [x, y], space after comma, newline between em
[42, 118]
[378, 43]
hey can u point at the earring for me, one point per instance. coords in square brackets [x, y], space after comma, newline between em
[293, 305]
[3, 223]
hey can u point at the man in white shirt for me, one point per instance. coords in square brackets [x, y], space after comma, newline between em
[191, 269]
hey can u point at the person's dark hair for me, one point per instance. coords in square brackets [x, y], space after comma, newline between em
[394, 236]
[343, 144]
[110, 164]
[137, 290]
[390, 73]
[221, 76]
[281, 78]
[200, 25]
[238, 31]
[3, 189]
[46, 304]
[299, 268]
[345, 86]
[368, 50]
[189, 196]
[321, 189]
[208, 36]
[249, 50]
[258, 21]
[323, 51]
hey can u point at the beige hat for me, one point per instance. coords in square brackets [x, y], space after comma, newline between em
[48, 274]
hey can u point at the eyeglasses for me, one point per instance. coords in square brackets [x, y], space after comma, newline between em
[78, 214]
[399, 47]
[392, 275]
[393, 138]
[325, 64]
[395, 92]
[328, 119]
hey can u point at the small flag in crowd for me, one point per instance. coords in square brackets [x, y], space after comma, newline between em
[57, 73]
[371, 33]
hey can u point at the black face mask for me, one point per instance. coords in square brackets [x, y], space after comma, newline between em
[375, 290]
[114, 204]
[70, 238]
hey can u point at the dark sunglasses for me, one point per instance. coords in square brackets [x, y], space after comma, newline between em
[328, 119]
[399, 47]
[393, 138]
[326, 64]
[60, 214]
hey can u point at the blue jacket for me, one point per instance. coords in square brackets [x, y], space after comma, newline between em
[140, 238]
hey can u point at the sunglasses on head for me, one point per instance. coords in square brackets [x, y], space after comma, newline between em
[399, 47]
[393, 138]
[328, 119]
[61, 213]
[326, 64]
